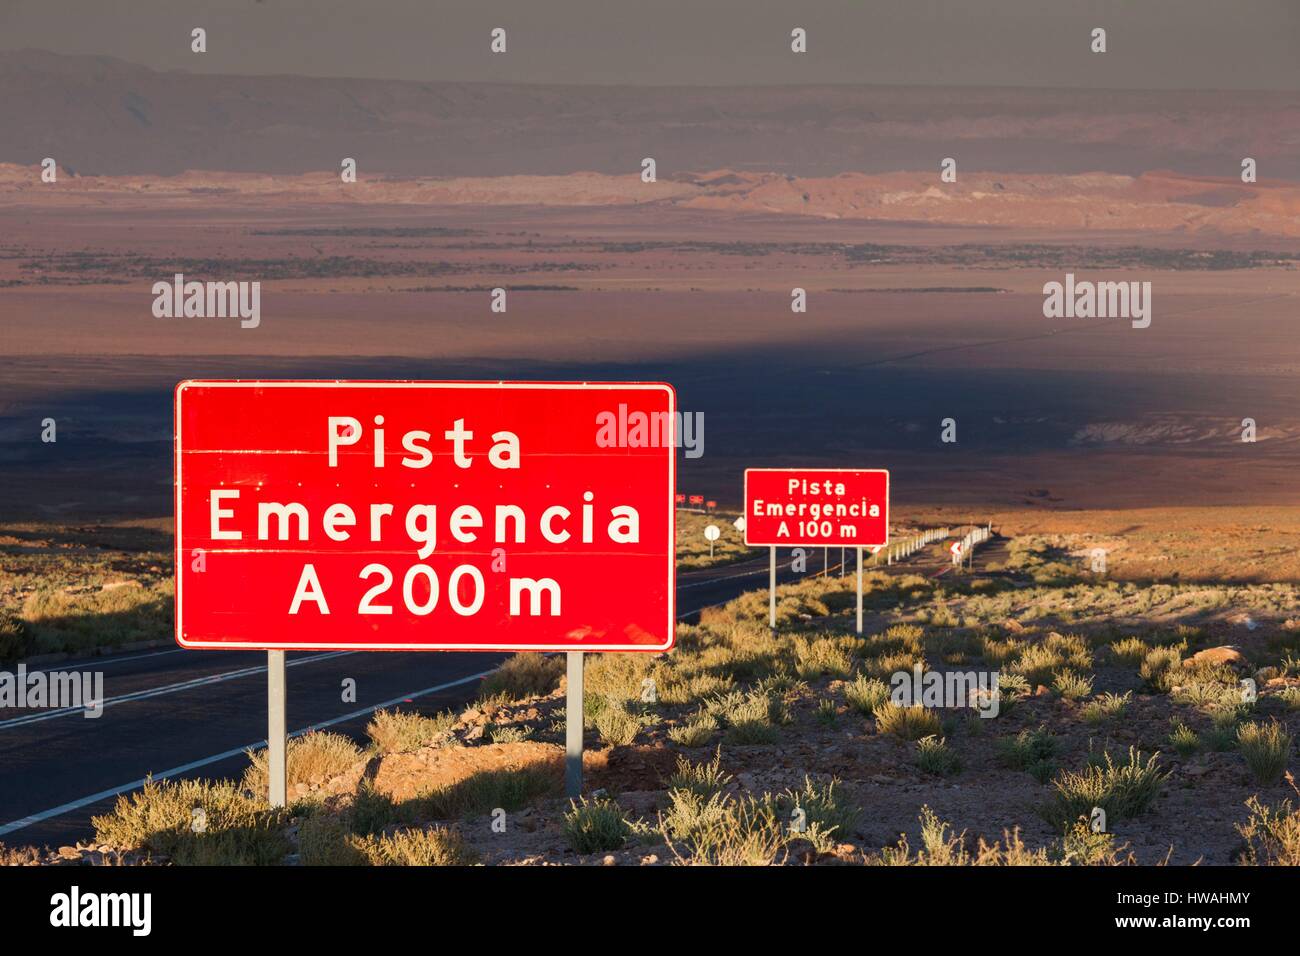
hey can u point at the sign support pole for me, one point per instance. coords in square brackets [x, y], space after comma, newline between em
[859, 590]
[276, 739]
[771, 591]
[573, 726]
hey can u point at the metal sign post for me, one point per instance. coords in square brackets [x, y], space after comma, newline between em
[859, 590]
[573, 726]
[276, 739]
[771, 591]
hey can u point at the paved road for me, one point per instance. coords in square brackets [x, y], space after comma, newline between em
[176, 713]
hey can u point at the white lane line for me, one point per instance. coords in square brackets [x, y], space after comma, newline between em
[97, 663]
[232, 675]
[691, 573]
[166, 689]
[732, 577]
[193, 765]
[42, 815]
[703, 608]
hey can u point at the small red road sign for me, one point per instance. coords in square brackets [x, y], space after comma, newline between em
[424, 515]
[787, 507]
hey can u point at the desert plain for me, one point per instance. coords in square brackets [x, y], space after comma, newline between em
[920, 344]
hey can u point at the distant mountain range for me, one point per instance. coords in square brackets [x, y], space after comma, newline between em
[1153, 202]
[103, 116]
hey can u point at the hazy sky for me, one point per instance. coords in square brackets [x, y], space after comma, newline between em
[1207, 44]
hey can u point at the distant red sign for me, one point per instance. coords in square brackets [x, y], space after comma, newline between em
[710, 505]
[679, 499]
[697, 499]
[422, 516]
[816, 507]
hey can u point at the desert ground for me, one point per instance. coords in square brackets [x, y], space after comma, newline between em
[1073, 437]
[755, 746]
[907, 324]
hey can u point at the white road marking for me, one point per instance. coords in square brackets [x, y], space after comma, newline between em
[96, 663]
[42, 815]
[247, 671]
[690, 573]
[161, 691]
[732, 577]
[703, 608]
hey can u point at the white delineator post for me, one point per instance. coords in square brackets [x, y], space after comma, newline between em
[573, 726]
[859, 590]
[771, 591]
[276, 737]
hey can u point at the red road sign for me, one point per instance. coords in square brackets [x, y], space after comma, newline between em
[424, 516]
[697, 499]
[679, 499]
[816, 507]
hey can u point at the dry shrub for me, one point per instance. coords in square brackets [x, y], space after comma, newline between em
[527, 675]
[393, 731]
[312, 758]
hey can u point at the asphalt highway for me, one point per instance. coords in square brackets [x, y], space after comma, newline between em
[177, 713]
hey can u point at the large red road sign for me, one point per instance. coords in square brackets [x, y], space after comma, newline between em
[816, 507]
[425, 515]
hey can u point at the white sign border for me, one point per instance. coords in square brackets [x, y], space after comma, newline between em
[818, 544]
[671, 625]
